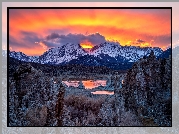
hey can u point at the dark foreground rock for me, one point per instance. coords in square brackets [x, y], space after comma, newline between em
[148, 90]
[34, 99]
[142, 97]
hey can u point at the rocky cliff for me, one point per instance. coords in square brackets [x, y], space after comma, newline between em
[147, 90]
[34, 99]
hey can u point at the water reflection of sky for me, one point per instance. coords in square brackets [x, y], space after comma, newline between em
[88, 84]
[71, 83]
[103, 92]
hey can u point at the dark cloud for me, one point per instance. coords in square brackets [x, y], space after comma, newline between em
[30, 37]
[52, 36]
[140, 41]
[13, 42]
[25, 33]
[165, 40]
[136, 42]
[96, 38]
[55, 39]
[154, 41]
[50, 44]
[25, 40]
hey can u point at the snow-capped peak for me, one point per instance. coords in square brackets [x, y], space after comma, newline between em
[69, 51]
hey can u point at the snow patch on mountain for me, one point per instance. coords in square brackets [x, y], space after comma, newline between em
[69, 51]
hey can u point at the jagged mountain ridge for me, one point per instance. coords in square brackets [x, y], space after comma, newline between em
[64, 54]
[23, 57]
[131, 53]
[148, 89]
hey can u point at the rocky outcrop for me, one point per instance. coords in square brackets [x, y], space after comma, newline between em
[143, 99]
[148, 89]
[34, 99]
[60, 105]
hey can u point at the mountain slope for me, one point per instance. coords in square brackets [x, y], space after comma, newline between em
[61, 54]
[165, 53]
[117, 63]
[132, 53]
[21, 56]
[107, 54]
[148, 89]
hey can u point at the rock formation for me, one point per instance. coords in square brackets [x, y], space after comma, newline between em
[60, 104]
[34, 99]
[148, 89]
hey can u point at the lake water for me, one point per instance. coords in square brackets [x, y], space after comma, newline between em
[103, 92]
[89, 84]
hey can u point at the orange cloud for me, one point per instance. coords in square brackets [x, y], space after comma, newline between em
[139, 42]
[122, 25]
[42, 44]
[86, 44]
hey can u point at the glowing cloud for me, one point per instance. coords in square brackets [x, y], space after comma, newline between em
[86, 44]
[58, 26]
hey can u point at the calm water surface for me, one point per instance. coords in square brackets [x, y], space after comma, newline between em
[90, 84]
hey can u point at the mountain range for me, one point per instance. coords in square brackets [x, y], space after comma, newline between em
[111, 55]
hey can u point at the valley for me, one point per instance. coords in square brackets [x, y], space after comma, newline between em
[79, 95]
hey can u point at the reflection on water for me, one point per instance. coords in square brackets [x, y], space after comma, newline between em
[71, 83]
[103, 92]
[88, 84]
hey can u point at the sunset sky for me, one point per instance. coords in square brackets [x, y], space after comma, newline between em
[33, 31]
